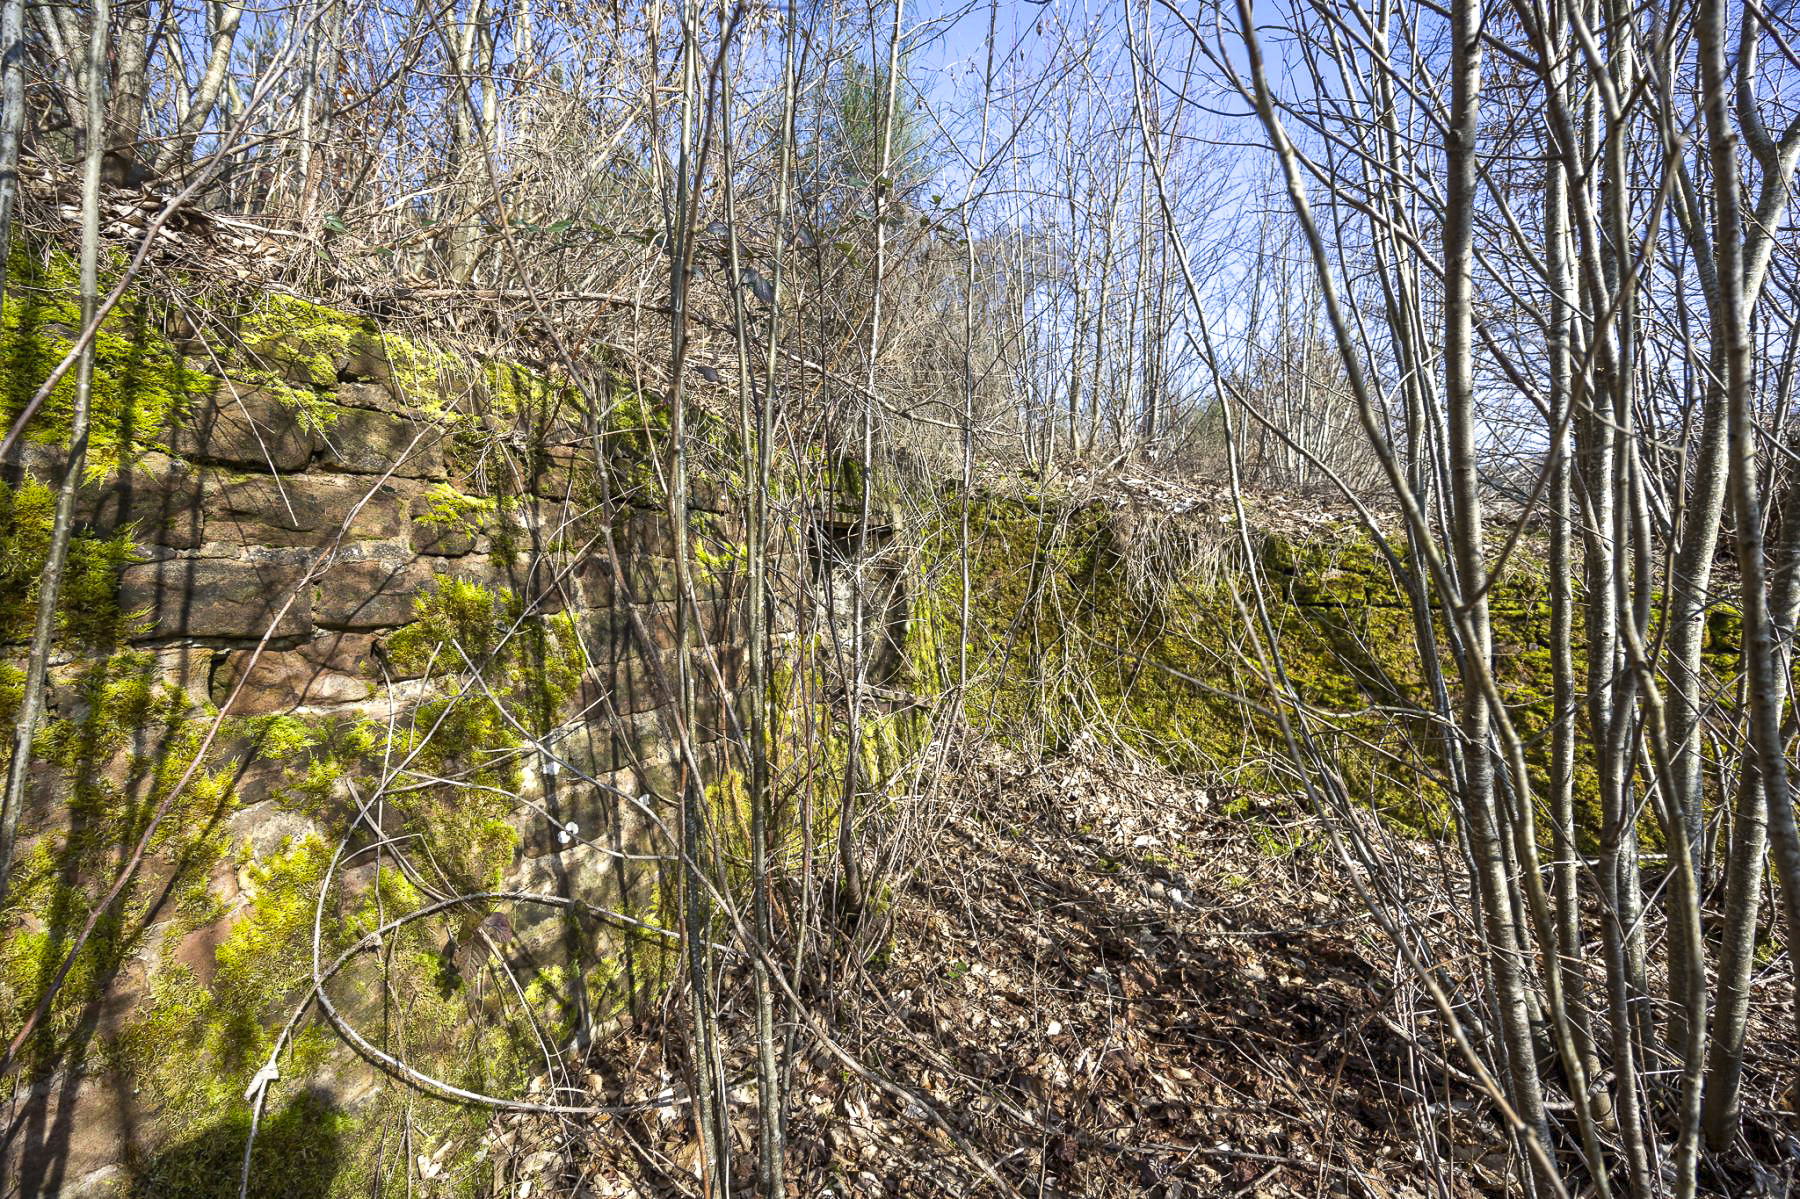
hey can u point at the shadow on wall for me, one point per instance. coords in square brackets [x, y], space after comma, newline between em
[78, 1125]
[298, 1151]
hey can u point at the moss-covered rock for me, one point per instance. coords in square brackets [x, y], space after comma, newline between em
[141, 381]
[1062, 643]
[88, 615]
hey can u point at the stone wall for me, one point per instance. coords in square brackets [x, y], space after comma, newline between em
[324, 543]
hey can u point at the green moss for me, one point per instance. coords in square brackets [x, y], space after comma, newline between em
[1724, 631]
[719, 560]
[635, 428]
[309, 339]
[728, 802]
[810, 747]
[532, 667]
[280, 737]
[849, 480]
[631, 412]
[88, 614]
[140, 382]
[119, 740]
[227, 1025]
[115, 751]
[194, 1049]
[306, 344]
[229, 964]
[645, 966]
[300, 1146]
[453, 512]
[1062, 643]
[526, 395]
[460, 625]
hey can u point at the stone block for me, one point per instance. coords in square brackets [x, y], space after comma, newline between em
[536, 523]
[243, 426]
[646, 550]
[99, 1122]
[365, 359]
[198, 950]
[709, 493]
[636, 682]
[560, 472]
[547, 588]
[719, 529]
[576, 871]
[157, 498]
[256, 778]
[188, 668]
[642, 740]
[305, 362]
[594, 811]
[647, 579]
[605, 741]
[266, 829]
[368, 442]
[653, 620]
[210, 598]
[593, 576]
[716, 716]
[289, 357]
[379, 396]
[488, 570]
[591, 699]
[587, 745]
[48, 799]
[437, 537]
[372, 593]
[328, 670]
[660, 781]
[711, 621]
[307, 510]
[644, 531]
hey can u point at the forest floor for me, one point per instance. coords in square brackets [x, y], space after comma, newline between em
[1101, 981]
[1105, 985]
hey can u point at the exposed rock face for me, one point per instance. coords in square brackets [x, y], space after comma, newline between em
[373, 442]
[250, 512]
[245, 427]
[219, 599]
[329, 671]
[159, 498]
[371, 593]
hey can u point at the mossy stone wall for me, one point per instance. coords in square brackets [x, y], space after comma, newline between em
[1066, 642]
[329, 526]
